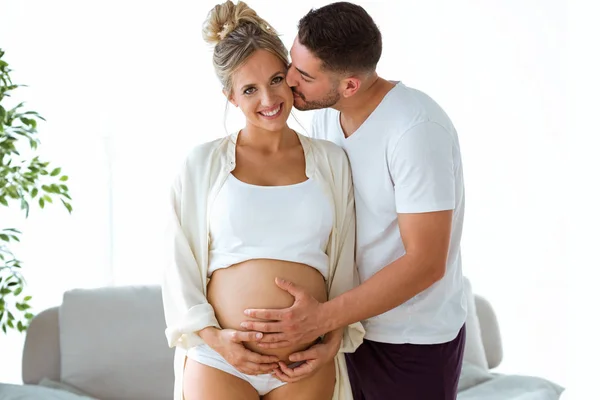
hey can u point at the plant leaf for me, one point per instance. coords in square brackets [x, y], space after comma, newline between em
[67, 206]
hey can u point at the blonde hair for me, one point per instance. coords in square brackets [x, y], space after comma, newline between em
[237, 32]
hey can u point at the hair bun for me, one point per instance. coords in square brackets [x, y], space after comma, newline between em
[225, 17]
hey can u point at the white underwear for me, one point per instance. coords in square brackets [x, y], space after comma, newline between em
[205, 355]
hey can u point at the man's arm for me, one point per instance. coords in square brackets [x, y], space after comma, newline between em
[426, 238]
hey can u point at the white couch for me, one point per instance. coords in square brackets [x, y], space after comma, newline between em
[108, 343]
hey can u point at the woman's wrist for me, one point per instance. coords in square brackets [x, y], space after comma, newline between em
[208, 334]
[334, 338]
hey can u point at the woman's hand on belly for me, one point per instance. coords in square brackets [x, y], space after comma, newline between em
[229, 344]
[313, 358]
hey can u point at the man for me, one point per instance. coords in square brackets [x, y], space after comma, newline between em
[408, 183]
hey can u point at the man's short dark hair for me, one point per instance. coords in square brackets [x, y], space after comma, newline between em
[343, 36]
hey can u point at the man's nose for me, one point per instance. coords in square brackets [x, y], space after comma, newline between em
[291, 77]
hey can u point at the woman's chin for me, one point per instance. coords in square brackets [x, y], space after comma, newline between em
[276, 124]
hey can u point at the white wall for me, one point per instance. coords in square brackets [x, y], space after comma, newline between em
[127, 88]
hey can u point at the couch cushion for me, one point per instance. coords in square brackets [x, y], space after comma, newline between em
[516, 387]
[490, 331]
[49, 383]
[474, 350]
[472, 375]
[35, 392]
[113, 345]
[41, 353]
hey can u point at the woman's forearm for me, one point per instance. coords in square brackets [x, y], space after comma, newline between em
[334, 338]
[208, 334]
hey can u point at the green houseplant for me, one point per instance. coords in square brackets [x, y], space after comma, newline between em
[24, 180]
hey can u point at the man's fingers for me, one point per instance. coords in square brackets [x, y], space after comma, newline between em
[287, 370]
[267, 327]
[289, 287]
[310, 354]
[283, 377]
[266, 314]
[305, 369]
[242, 336]
[297, 373]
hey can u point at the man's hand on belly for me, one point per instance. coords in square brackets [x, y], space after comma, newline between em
[301, 323]
[229, 344]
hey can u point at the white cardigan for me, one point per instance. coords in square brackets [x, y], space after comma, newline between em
[184, 285]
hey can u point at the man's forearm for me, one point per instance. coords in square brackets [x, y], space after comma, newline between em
[393, 285]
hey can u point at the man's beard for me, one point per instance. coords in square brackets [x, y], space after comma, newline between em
[329, 100]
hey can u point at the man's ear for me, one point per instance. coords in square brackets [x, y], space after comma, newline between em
[230, 98]
[349, 86]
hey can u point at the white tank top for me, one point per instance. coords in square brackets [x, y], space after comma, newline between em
[289, 223]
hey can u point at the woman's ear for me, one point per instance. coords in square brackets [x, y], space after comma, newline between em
[230, 98]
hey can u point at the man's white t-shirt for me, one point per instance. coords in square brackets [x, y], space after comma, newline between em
[405, 158]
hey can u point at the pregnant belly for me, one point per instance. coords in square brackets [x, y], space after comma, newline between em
[251, 284]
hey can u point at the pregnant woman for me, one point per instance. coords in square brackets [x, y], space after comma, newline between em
[260, 204]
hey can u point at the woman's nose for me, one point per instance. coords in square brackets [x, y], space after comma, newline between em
[268, 97]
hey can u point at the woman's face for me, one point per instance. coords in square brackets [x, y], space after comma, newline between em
[260, 90]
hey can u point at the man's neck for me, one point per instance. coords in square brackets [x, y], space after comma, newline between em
[356, 109]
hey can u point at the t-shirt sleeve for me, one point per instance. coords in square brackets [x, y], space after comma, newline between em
[421, 166]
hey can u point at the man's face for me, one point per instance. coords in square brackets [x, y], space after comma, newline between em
[313, 88]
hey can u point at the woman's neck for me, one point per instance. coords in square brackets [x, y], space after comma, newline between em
[265, 140]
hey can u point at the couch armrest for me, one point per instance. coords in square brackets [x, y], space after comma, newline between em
[41, 353]
[490, 331]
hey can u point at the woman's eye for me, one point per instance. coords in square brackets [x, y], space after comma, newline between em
[278, 79]
[249, 90]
